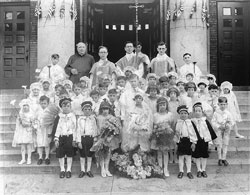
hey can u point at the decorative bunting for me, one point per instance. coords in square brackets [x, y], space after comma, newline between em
[175, 11]
[204, 13]
[168, 15]
[62, 10]
[193, 10]
[38, 9]
[52, 9]
[180, 10]
[73, 11]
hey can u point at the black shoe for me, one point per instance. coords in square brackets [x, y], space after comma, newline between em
[47, 161]
[82, 174]
[62, 174]
[204, 174]
[90, 174]
[180, 175]
[220, 162]
[68, 174]
[40, 161]
[225, 162]
[190, 176]
[199, 174]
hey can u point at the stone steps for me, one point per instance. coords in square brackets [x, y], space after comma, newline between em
[236, 166]
[238, 151]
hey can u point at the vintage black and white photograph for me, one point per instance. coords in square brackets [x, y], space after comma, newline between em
[125, 97]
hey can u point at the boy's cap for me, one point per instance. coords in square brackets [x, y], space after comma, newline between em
[226, 84]
[197, 104]
[190, 85]
[172, 74]
[173, 89]
[163, 79]
[86, 103]
[152, 75]
[202, 81]
[112, 91]
[182, 108]
[161, 100]
[64, 101]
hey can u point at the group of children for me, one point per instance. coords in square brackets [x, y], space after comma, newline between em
[175, 117]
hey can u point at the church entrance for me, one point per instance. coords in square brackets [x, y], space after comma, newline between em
[112, 23]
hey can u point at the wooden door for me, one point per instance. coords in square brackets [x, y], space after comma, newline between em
[155, 29]
[234, 41]
[14, 46]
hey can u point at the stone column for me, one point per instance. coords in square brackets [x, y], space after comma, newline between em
[189, 35]
[55, 35]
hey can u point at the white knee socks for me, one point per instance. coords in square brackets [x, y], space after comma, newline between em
[61, 163]
[82, 162]
[203, 164]
[224, 152]
[181, 163]
[89, 161]
[69, 163]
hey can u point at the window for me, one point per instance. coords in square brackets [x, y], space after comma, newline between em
[20, 27]
[20, 15]
[8, 26]
[226, 11]
[8, 15]
[227, 22]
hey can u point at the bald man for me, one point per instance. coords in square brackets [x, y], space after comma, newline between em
[79, 64]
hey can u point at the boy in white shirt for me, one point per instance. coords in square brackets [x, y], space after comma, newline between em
[222, 122]
[65, 136]
[53, 71]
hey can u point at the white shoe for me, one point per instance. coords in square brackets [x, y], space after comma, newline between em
[28, 162]
[166, 173]
[108, 173]
[22, 162]
[239, 136]
[103, 174]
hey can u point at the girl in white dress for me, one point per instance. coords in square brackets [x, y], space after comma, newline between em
[23, 135]
[163, 133]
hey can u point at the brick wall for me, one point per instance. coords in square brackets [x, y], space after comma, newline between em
[213, 37]
[33, 41]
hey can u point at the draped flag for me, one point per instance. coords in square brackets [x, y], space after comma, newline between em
[38, 9]
[62, 10]
[193, 10]
[175, 11]
[204, 13]
[52, 10]
[73, 11]
[180, 10]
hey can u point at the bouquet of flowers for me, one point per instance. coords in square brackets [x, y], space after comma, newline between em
[163, 134]
[108, 139]
[138, 123]
[136, 164]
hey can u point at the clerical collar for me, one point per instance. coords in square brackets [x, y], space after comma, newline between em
[129, 55]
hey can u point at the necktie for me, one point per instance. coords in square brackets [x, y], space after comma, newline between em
[49, 70]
